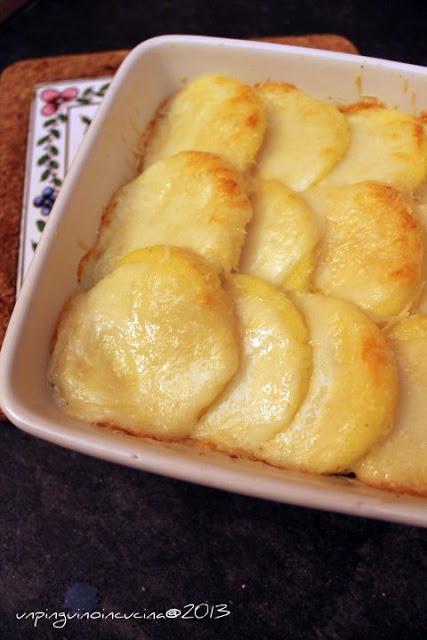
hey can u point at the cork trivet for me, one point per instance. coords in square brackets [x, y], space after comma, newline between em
[16, 93]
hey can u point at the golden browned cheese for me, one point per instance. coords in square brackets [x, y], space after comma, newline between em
[213, 113]
[148, 348]
[386, 145]
[299, 195]
[352, 394]
[281, 239]
[400, 461]
[305, 137]
[274, 371]
[371, 251]
[192, 200]
[421, 304]
[421, 207]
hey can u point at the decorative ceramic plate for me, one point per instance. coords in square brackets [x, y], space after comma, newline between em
[60, 116]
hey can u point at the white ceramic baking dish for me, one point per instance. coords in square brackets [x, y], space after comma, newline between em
[106, 160]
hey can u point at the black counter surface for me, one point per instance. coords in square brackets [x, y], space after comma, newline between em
[78, 533]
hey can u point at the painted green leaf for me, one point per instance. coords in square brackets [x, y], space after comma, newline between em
[40, 225]
[49, 122]
[42, 160]
[104, 87]
[33, 245]
[43, 140]
[85, 120]
[44, 176]
[63, 117]
[55, 133]
[53, 150]
[57, 182]
[87, 91]
[53, 164]
[83, 101]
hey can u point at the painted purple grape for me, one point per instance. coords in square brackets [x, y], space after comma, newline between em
[46, 200]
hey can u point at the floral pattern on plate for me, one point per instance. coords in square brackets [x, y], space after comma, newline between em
[60, 116]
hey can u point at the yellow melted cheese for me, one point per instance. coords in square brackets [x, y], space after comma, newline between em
[352, 394]
[304, 139]
[273, 375]
[281, 238]
[371, 251]
[386, 145]
[400, 461]
[148, 348]
[214, 113]
[192, 200]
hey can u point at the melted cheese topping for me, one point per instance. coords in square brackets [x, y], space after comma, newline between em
[421, 305]
[158, 347]
[281, 238]
[148, 348]
[273, 375]
[352, 394]
[400, 461]
[192, 200]
[305, 137]
[386, 145]
[371, 251]
[214, 113]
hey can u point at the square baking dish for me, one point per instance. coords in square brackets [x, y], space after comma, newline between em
[106, 160]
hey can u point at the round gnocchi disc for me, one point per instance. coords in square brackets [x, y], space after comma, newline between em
[386, 145]
[352, 394]
[273, 375]
[281, 239]
[371, 251]
[192, 200]
[399, 462]
[213, 113]
[148, 348]
[304, 139]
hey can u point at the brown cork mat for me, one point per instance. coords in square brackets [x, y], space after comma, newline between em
[16, 93]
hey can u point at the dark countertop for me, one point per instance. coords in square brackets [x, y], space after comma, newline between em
[75, 531]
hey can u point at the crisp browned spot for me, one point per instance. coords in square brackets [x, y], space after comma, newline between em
[208, 445]
[393, 199]
[117, 428]
[407, 220]
[108, 212]
[282, 86]
[229, 186]
[242, 94]
[208, 298]
[409, 271]
[83, 263]
[395, 487]
[376, 356]
[253, 120]
[423, 117]
[360, 106]
[225, 176]
[419, 134]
